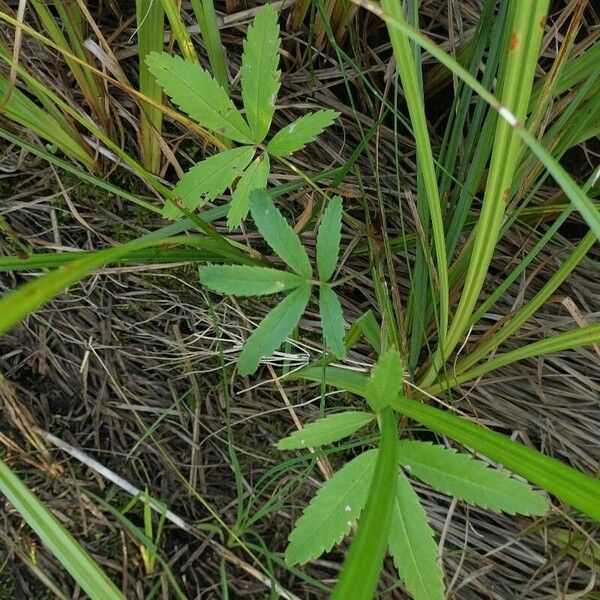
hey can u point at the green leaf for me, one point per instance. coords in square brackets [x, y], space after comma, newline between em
[333, 510]
[469, 479]
[59, 541]
[566, 483]
[241, 280]
[362, 565]
[209, 179]
[273, 329]
[328, 239]
[260, 77]
[326, 431]
[196, 93]
[278, 234]
[385, 381]
[254, 177]
[301, 132]
[412, 545]
[332, 321]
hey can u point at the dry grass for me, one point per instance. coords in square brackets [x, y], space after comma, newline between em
[127, 367]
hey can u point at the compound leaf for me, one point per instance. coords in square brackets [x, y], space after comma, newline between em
[196, 93]
[412, 545]
[209, 179]
[332, 321]
[385, 381]
[333, 510]
[260, 77]
[278, 234]
[301, 132]
[243, 280]
[465, 478]
[254, 177]
[273, 329]
[328, 238]
[326, 431]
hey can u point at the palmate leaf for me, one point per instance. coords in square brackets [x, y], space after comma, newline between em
[278, 234]
[328, 238]
[465, 478]
[254, 177]
[566, 483]
[196, 93]
[385, 381]
[260, 77]
[412, 545]
[301, 132]
[243, 280]
[333, 510]
[273, 329]
[209, 179]
[326, 431]
[332, 320]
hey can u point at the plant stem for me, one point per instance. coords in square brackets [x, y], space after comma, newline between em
[360, 571]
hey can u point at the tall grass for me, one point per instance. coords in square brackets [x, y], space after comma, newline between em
[506, 130]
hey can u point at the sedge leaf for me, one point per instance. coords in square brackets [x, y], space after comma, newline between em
[196, 93]
[468, 479]
[385, 381]
[260, 77]
[332, 320]
[278, 234]
[301, 132]
[333, 510]
[412, 545]
[254, 177]
[326, 431]
[208, 179]
[273, 329]
[243, 280]
[328, 239]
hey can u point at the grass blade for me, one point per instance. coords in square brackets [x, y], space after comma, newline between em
[172, 9]
[150, 16]
[516, 82]
[20, 109]
[360, 571]
[71, 555]
[584, 336]
[211, 36]
[414, 99]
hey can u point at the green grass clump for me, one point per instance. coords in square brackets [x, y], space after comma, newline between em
[506, 136]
